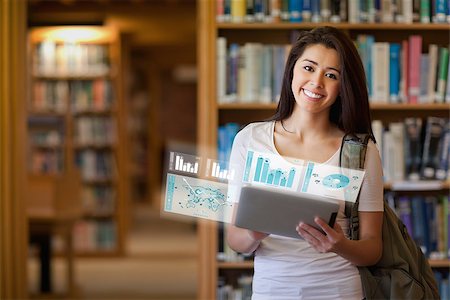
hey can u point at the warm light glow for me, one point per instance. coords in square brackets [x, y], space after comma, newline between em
[76, 34]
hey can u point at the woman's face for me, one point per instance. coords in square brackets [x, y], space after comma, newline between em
[316, 78]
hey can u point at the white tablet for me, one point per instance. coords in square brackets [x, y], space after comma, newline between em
[279, 212]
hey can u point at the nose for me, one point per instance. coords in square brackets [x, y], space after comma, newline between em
[317, 80]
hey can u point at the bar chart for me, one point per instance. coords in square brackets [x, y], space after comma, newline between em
[220, 170]
[184, 163]
[272, 170]
[273, 176]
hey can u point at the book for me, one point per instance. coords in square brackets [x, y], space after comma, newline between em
[397, 132]
[404, 77]
[315, 11]
[442, 170]
[394, 72]
[415, 50]
[425, 11]
[325, 10]
[434, 128]
[306, 11]
[424, 70]
[442, 75]
[221, 68]
[295, 10]
[405, 214]
[380, 71]
[238, 11]
[413, 146]
[432, 74]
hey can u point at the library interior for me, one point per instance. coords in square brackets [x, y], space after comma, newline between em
[102, 99]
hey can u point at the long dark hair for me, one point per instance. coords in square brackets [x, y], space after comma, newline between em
[350, 112]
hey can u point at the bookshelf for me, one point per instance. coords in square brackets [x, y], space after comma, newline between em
[75, 122]
[213, 113]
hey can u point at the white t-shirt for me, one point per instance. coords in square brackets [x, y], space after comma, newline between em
[287, 268]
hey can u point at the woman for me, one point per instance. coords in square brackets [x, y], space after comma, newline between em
[323, 97]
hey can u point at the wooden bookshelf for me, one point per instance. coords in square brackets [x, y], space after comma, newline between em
[76, 104]
[211, 113]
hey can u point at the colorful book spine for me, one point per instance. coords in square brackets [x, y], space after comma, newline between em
[430, 158]
[315, 11]
[394, 72]
[306, 11]
[425, 11]
[237, 11]
[442, 75]
[415, 50]
[405, 214]
[295, 10]
[433, 54]
[413, 145]
[424, 70]
[442, 171]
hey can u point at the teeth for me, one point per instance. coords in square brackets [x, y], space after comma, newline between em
[311, 94]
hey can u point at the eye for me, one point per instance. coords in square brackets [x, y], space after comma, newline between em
[308, 68]
[331, 75]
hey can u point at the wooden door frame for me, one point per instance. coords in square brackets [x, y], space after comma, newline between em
[13, 87]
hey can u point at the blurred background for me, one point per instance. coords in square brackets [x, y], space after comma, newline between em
[107, 80]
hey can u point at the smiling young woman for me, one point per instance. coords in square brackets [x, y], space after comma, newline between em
[323, 97]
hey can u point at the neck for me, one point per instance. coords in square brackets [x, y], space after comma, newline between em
[307, 126]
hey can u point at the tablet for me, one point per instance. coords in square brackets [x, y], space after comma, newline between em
[279, 212]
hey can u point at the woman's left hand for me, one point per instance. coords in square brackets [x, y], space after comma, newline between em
[328, 242]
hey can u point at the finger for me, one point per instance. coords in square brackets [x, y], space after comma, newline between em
[312, 232]
[325, 227]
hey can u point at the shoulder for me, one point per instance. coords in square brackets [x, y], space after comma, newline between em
[256, 129]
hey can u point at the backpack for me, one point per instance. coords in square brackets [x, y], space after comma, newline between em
[403, 271]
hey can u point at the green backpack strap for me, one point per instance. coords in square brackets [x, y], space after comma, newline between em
[352, 156]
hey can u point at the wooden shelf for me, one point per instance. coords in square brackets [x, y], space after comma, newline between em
[106, 65]
[211, 114]
[94, 76]
[435, 263]
[373, 106]
[349, 26]
[424, 185]
[235, 265]
[439, 263]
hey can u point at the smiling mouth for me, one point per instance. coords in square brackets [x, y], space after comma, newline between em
[312, 95]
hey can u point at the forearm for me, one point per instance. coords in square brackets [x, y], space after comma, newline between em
[241, 240]
[364, 252]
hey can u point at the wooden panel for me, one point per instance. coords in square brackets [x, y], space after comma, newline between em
[13, 234]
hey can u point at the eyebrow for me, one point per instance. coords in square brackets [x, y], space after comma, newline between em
[315, 63]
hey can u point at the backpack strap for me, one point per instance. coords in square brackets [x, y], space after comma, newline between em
[352, 156]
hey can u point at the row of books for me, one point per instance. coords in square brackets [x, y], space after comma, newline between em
[401, 73]
[74, 59]
[84, 95]
[89, 235]
[427, 221]
[99, 131]
[414, 149]
[98, 200]
[253, 72]
[443, 283]
[46, 161]
[352, 11]
[243, 290]
[42, 137]
[96, 165]
[226, 134]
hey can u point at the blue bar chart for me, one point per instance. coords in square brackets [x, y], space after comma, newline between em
[273, 176]
[272, 170]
